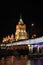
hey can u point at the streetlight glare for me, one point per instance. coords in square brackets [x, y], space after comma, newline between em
[32, 24]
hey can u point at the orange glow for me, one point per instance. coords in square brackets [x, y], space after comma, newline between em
[12, 36]
[24, 26]
[8, 38]
[34, 36]
[17, 27]
[19, 34]
[5, 39]
[20, 23]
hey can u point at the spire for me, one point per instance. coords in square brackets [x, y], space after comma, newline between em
[21, 18]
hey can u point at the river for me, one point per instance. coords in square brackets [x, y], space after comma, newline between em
[20, 60]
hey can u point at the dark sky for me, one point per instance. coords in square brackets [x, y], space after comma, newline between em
[9, 16]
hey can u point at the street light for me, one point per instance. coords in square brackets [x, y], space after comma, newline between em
[32, 24]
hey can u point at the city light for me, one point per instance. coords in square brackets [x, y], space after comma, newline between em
[34, 36]
[20, 34]
[8, 38]
[32, 24]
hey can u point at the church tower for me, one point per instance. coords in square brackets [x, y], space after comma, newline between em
[21, 33]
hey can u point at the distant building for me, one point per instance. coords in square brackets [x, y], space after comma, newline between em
[21, 33]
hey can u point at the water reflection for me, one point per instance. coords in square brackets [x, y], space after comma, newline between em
[20, 60]
[14, 60]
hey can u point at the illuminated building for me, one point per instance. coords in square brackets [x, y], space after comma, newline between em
[21, 33]
[12, 38]
[34, 36]
[8, 39]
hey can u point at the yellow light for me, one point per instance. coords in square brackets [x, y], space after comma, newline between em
[12, 36]
[28, 45]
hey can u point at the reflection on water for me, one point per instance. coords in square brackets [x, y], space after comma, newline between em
[20, 60]
[14, 60]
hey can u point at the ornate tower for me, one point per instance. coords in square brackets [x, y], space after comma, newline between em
[21, 33]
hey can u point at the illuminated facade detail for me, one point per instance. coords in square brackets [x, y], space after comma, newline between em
[8, 38]
[21, 33]
[5, 39]
[34, 36]
[12, 38]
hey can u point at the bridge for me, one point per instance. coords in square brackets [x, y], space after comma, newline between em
[33, 52]
[25, 42]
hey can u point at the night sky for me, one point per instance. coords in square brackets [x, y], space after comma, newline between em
[31, 13]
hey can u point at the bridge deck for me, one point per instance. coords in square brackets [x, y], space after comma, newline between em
[25, 42]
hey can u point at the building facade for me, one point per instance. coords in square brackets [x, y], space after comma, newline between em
[21, 33]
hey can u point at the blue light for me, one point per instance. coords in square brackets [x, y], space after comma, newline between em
[40, 44]
[35, 45]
